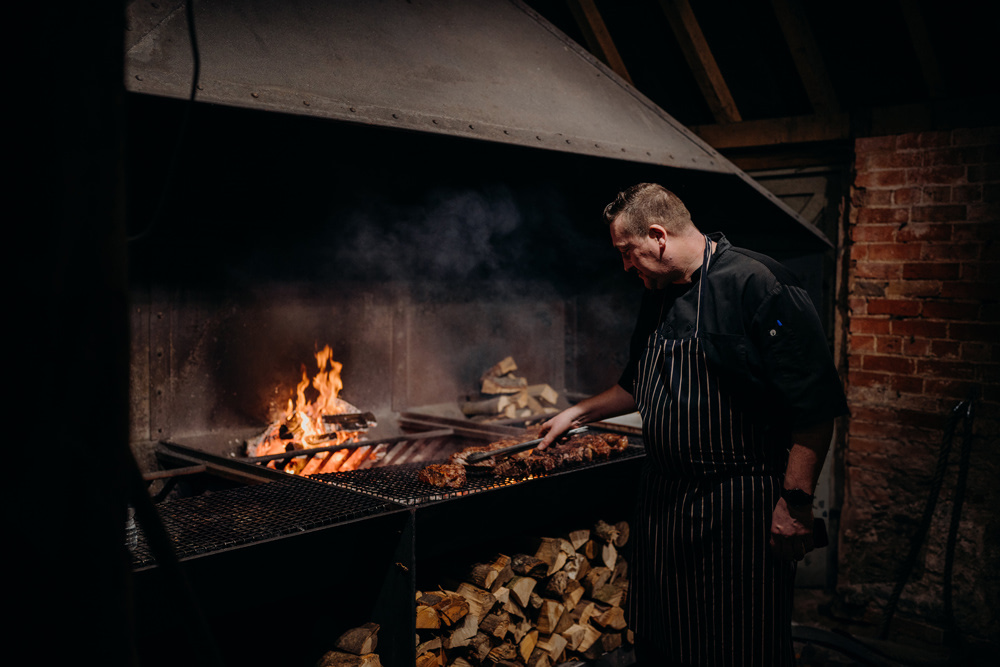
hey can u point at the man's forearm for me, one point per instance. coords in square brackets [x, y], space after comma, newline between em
[805, 459]
[609, 403]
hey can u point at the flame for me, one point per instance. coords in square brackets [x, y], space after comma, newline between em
[303, 420]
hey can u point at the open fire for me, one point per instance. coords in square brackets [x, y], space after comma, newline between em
[311, 420]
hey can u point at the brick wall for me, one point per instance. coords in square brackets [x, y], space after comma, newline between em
[923, 334]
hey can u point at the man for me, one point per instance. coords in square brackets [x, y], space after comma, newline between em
[731, 373]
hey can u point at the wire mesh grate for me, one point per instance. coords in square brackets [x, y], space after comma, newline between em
[399, 483]
[225, 519]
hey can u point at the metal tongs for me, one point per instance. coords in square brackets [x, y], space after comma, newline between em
[513, 449]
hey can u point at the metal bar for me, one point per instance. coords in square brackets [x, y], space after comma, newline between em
[350, 445]
[175, 472]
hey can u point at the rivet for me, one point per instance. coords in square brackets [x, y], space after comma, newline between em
[138, 77]
[538, 137]
[395, 116]
[305, 102]
[353, 110]
[254, 95]
[434, 121]
[200, 87]
[471, 128]
[506, 132]
[567, 141]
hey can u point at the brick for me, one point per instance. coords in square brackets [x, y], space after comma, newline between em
[903, 383]
[950, 251]
[919, 328]
[882, 179]
[886, 270]
[945, 156]
[982, 211]
[895, 160]
[976, 136]
[905, 196]
[899, 307]
[868, 144]
[857, 306]
[860, 343]
[940, 213]
[867, 288]
[924, 231]
[936, 194]
[914, 288]
[886, 364]
[979, 352]
[968, 289]
[934, 139]
[859, 251]
[985, 230]
[889, 345]
[945, 349]
[945, 369]
[967, 193]
[910, 141]
[985, 332]
[869, 325]
[931, 270]
[893, 252]
[931, 176]
[917, 347]
[950, 388]
[950, 310]
[874, 216]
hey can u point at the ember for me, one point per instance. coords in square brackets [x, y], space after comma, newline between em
[307, 424]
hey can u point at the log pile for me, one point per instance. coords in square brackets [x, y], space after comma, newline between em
[562, 602]
[354, 648]
[504, 395]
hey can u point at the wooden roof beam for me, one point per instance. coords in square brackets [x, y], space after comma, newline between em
[701, 61]
[806, 56]
[595, 31]
[776, 131]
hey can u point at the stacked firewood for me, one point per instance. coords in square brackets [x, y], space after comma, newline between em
[504, 395]
[355, 648]
[537, 610]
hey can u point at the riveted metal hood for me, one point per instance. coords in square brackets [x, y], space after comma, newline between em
[490, 70]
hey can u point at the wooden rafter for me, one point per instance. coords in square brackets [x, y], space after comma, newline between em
[598, 38]
[701, 61]
[929, 66]
[806, 56]
[775, 131]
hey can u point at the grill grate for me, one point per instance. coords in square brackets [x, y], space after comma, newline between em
[399, 483]
[226, 519]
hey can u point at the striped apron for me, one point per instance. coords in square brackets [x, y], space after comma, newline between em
[705, 587]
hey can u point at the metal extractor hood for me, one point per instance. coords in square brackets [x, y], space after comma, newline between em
[491, 70]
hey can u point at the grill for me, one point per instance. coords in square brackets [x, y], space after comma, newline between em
[240, 516]
[399, 483]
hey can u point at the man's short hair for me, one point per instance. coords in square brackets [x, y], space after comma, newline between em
[645, 204]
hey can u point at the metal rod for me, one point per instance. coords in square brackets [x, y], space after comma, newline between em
[175, 472]
[423, 435]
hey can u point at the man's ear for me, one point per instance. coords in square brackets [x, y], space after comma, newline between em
[657, 233]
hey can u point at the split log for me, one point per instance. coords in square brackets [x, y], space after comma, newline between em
[594, 579]
[606, 642]
[521, 588]
[359, 640]
[543, 393]
[429, 660]
[503, 384]
[482, 575]
[623, 532]
[590, 635]
[604, 532]
[427, 618]
[429, 646]
[344, 659]
[527, 644]
[502, 595]
[612, 619]
[555, 587]
[578, 538]
[502, 367]
[538, 658]
[584, 612]
[610, 594]
[554, 645]
[479, 646]
[430, 598]
[554, 551]
[576, 566]
[591, 549]
[462, 632]
[452, 609]
[519, 629]
[573, 635]
[620, 571]
[529, 566]
[489, 406]
[534, 602]
[573, 594]
[501, 652]
[548, 616]
[480, 601]
[495, 625]
[609, 555]
[460, 662]
[502, 565]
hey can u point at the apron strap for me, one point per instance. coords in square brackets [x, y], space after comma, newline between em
[701, 281]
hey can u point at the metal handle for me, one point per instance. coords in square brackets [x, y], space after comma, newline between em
[513, 449]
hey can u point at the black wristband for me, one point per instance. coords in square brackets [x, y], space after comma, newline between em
[797, 497]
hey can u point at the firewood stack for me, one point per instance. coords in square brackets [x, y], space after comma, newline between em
[354, 648]
[504, 395]
[561, 603]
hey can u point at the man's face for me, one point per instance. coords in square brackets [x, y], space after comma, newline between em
[647, 255]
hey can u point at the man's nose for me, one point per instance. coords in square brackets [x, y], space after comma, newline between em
[626, 264]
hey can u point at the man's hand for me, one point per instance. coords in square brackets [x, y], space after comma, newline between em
[609, 403]
[555, 427]
[792, 530]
